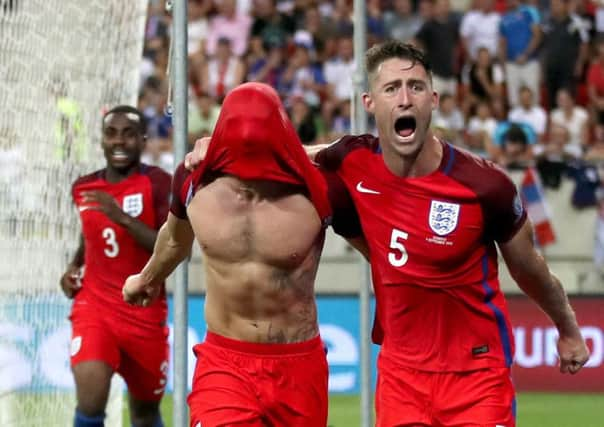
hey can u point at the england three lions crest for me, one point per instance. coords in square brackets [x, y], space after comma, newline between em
[133, 204]
[443, 217]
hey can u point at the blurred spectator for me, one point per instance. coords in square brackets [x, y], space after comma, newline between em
[202, 117]
[228, 24]
[552, 155]
[598, 17]
[326, 7]
[271, 26]
[342, 121]
[270, 67]
[520, 36]
[595, 153]
[322, 30]
[197, 26]
[158, 152]
[480, 130]
[304, 120]
[70, 136]
[484, 79]
[257, 52]
[152, 103]
[303, 75]
[448, 120]
[339, 69]
[480, 29]
[155, 51]
[499, 110]
[595, 90]
[439, 37]
[515, 151]
[530, 113]
[565, 49]
[375, 22]
[222, 72]
[588, 178]
[574, 119]
[425, 9]
[342, 16]
[402, 23]
[297, 10]
[459, 7]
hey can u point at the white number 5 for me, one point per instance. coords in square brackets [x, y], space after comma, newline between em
[398, 258]
[112, 248]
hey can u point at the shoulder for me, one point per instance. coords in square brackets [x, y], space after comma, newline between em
[155, 173]
[483, 177]
[88, 178]
[331, 158]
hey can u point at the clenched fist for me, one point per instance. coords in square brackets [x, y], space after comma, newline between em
[137, 292]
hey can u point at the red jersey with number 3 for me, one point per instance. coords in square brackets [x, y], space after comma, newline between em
[433, 254]
[111, 253]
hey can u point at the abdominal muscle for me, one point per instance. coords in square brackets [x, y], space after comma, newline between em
[261, 243]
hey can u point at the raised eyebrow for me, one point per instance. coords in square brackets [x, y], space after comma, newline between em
[416, 81]
[396, 82]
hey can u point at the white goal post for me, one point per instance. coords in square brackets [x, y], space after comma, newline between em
[61, 63]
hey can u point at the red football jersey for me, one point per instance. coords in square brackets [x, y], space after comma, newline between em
[111, 254]
[433, 255]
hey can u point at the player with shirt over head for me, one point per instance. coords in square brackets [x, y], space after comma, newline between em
[433, 216]
[258, 209]
[121, 208]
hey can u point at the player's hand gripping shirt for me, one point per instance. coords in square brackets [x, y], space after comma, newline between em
[433, 254]
[111, 253]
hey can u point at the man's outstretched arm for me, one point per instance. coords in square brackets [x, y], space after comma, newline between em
[533, 276]
[172, 246]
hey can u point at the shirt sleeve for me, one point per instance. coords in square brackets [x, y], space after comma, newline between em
[503, 208]
[345, 218]
[180, 180]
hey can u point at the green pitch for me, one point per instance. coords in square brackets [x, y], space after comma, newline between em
[534, 410]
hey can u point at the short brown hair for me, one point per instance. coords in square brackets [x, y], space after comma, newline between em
[390, 49]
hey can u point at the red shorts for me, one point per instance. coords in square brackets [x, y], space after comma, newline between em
[254, 384]
[408, 397]
[141, 358]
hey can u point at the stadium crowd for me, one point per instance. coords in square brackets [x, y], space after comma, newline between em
[521, 82]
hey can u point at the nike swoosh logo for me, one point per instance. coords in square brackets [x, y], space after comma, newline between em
[362, 189]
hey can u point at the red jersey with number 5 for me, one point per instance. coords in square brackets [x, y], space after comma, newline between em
[111, 253]
[433, 254]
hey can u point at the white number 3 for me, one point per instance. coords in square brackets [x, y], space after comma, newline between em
[399, 257]
[112, 248]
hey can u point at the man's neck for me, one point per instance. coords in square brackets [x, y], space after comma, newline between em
[423, 163]
[114, 176]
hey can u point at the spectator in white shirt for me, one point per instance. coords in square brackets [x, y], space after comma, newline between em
[574, 118]
[480, 28]
[527, 111]
[480, 130]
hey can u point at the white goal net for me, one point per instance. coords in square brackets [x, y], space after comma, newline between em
[61, 63]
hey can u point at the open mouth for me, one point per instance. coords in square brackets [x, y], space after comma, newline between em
[119, 155]
[405, 126]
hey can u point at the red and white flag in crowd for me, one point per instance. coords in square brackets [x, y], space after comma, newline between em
[532, 195]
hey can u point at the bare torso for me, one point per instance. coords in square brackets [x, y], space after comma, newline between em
[261, 243]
